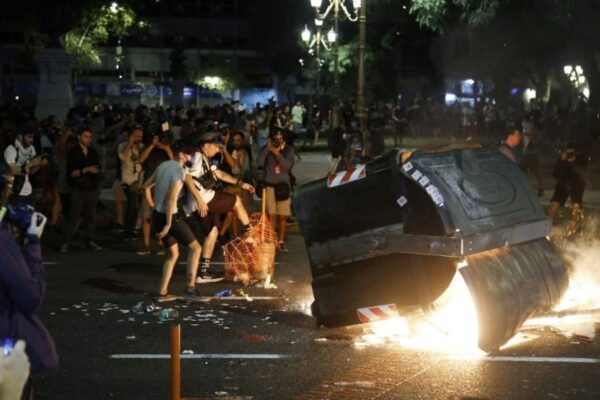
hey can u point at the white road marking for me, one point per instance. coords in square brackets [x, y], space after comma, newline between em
[525, 359]
[216, 356]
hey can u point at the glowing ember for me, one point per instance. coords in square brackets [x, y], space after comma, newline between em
[450, 328]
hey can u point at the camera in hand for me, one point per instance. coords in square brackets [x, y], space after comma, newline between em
[19, 215]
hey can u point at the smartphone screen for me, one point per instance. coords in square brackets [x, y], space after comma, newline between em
[7, 346]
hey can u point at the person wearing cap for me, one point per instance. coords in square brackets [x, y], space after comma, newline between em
[208, 204]
[162, 191]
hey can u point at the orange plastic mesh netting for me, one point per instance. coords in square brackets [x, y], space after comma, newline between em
[251, 256]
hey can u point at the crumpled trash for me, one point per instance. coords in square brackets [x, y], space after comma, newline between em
[224, 293]
[187, 352]
[221, 394]
[241, 293]
[141, 308]
[167, 314]
[138, 308]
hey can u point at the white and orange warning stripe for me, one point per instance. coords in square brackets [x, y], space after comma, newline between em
[343, 177]
[377, 313]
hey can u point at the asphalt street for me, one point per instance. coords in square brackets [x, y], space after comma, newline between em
[268, 348]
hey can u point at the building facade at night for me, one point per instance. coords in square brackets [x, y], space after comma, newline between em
[198, 38]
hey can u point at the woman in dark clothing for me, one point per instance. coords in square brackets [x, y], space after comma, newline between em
[570, 182]
[23, 280]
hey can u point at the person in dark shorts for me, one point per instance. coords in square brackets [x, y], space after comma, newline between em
[570, 182]
[167, 182]
[208, 204]
[160, 153]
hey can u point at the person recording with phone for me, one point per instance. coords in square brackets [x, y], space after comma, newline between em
[83, 173]
[22, 281]
[277, 159]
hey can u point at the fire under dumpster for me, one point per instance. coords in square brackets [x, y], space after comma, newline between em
[396, 230]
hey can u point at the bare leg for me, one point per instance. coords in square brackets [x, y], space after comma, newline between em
[228, 220]
[194, 250]
[119, 211]
[282, 227]
[146, 232]
[235, 227]
[168, 265]
[209, 243]
[240, 211]
[272, 220]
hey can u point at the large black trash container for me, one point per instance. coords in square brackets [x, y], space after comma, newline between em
[395, 229]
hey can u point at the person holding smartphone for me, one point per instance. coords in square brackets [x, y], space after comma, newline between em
[22, 283]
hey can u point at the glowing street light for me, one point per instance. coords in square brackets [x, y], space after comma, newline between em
[339, 10]
[331, 36]
[577, 79]
[306, 35]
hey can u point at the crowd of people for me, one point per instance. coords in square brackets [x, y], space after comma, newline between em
[121, 147]
[189, 178]
[173, 169]
[100, 145]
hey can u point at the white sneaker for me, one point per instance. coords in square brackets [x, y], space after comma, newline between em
[205, 277]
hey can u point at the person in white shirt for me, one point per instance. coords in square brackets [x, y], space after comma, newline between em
[208, 204]
[132, 154]
[24, 162]
[297, 113]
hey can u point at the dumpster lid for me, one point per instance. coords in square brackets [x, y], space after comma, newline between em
[474, 190]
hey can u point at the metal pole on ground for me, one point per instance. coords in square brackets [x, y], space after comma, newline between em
[360, 95]
[175, 362]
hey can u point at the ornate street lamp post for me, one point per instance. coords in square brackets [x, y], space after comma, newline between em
[339, 9]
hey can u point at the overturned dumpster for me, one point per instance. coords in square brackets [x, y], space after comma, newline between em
[394, 231]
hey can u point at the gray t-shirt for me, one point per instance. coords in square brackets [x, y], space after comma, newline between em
[166, 173]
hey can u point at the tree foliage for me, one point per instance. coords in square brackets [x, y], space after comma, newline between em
[94, 28]
[436, 14]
